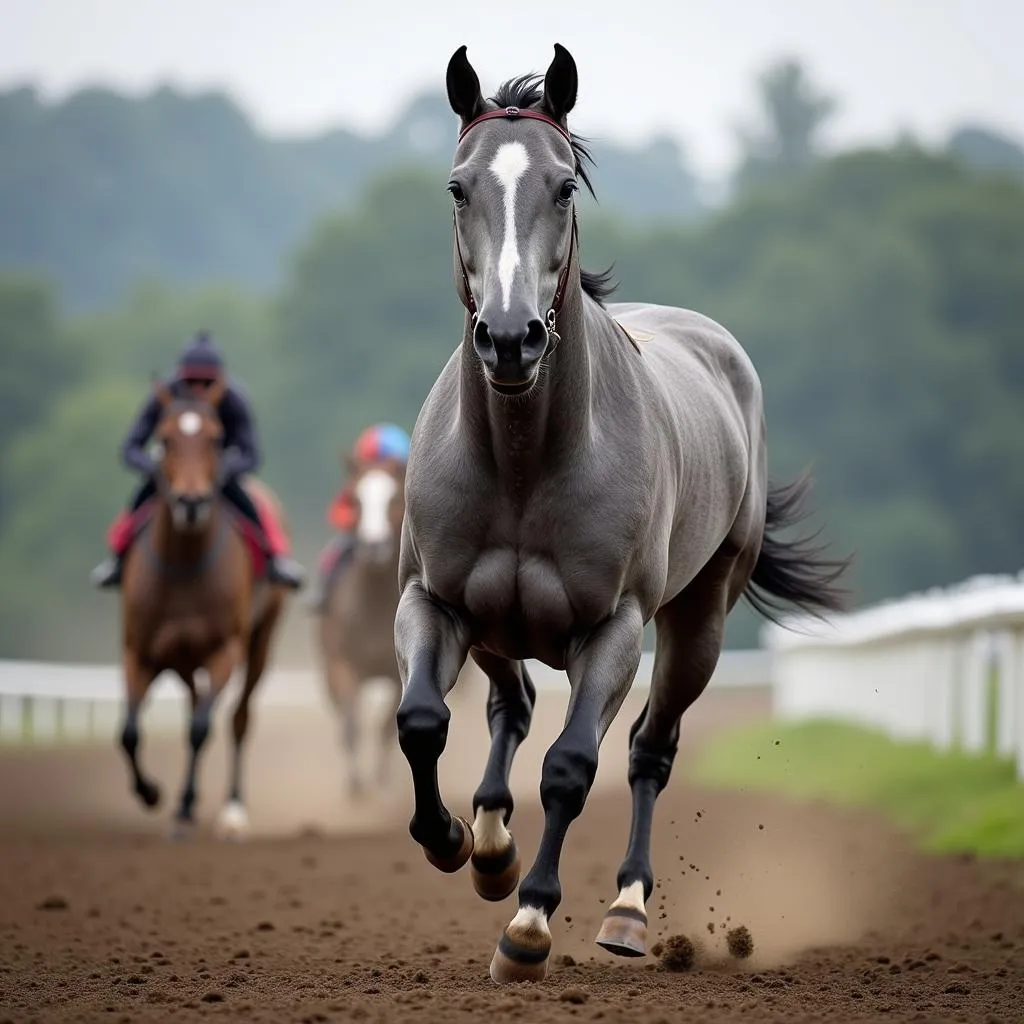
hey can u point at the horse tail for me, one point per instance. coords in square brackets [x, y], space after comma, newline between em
[793, 571]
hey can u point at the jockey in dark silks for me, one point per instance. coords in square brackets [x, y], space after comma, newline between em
[199, 367]
[379, 443]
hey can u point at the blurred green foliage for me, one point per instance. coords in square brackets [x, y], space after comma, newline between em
[880, 294]
[949, 801]
[102, 191]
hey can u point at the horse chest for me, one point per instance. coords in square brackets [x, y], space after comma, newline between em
[523, 604]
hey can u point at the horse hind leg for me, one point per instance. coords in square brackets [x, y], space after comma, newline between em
[344, 689]
[495, 861]
[689, 640]
[138, 679]
[233, 820]
[389, 732]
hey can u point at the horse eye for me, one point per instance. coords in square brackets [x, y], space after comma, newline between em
[566, 192]
[457, 194]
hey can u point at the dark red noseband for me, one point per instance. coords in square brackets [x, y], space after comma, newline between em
[511, 114]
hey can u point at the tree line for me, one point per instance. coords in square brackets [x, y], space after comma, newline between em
[880, 293]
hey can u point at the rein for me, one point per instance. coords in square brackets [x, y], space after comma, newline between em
[551, 320]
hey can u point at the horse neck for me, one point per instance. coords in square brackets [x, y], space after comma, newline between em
[176, 548]
[524, 435]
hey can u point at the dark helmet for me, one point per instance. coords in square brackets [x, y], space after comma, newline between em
[200, 359]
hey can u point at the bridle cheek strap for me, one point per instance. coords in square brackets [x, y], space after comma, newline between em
[551, 320]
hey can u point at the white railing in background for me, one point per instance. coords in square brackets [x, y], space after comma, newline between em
[946, 666]
[41, 702]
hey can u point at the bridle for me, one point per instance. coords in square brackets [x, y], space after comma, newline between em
[551, 320]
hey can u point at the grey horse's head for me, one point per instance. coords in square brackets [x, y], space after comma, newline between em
[513, 181]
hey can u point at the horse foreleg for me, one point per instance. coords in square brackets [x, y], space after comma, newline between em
[601, 670]
[218, 669]
[690, 632]
[431, 644]
[137, 680]
[495, 863]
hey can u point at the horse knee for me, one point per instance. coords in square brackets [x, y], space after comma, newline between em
[567, 776]
[130, 736]
[423, 729]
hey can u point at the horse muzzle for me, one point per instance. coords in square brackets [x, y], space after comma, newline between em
[191, 511]
[511, 348]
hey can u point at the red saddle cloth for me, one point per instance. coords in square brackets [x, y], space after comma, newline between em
[259, 543]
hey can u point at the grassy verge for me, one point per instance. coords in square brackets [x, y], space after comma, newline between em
[952, 802]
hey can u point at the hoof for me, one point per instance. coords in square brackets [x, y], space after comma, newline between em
[452, 863]
[148, 793]
[495, 877]
[523, 949]
[624, 932]
[181, 830]
[233, 821]
[513, 962]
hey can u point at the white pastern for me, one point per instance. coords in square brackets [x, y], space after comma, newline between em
[490, 837]
[632, 896]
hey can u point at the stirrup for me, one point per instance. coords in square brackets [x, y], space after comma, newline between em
[286, 571]
[106, 574]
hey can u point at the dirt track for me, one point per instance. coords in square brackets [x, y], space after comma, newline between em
[102, 919]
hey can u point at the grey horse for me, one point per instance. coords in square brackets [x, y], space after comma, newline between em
[576, 470]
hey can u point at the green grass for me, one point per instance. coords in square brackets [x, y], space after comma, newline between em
[950, 801]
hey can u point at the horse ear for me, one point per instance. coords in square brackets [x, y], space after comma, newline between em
[560, 84]
[463, 87]
[162, 392]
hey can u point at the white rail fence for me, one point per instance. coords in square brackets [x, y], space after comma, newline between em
[945, 666]
[47, 702]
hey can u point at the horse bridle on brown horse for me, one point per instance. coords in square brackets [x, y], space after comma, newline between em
[551, 320]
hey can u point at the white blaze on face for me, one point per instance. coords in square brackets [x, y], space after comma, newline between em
[190, 423]
[508, 166]
[375, 490]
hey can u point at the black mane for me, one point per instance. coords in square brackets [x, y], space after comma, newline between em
[525, 92]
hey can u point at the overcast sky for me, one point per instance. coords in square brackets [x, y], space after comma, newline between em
[680, 66]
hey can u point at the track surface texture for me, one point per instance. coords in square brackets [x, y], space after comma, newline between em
[332, 913]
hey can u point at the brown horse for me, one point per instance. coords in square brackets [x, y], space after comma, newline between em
[356, 630]
[191, 598]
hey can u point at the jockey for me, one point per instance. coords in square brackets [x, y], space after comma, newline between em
[199, 367]
[378, 443]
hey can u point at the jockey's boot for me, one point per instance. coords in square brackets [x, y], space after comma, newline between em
[107, 573]
[285, 571]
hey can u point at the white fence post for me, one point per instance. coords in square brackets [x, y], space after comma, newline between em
[920, 667]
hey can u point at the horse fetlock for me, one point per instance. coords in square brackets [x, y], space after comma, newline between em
[523, 949]
[148, 792]
[624, 929]
[495, 863]
[449, 851]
